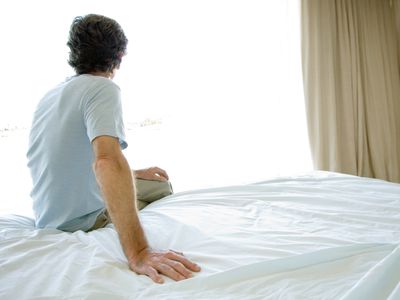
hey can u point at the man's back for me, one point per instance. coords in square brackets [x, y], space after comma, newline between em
[65, 192]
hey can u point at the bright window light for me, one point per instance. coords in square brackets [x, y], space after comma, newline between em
[212, 89]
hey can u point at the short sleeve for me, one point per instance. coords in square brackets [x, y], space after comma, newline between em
[102, 114]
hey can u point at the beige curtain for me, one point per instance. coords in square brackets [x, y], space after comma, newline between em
[351, 79]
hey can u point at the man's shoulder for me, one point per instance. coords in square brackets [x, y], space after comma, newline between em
[94, 81]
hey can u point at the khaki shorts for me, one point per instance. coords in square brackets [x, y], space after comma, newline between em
[102, 220]
[147, 191]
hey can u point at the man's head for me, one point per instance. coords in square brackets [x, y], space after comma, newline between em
[96, 44]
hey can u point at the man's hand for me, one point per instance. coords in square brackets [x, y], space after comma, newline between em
[115, 180]
[153, 173]
[169, 263]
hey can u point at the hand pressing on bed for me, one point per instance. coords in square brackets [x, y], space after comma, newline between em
[153, 173]
[114, 177]
[169, 263]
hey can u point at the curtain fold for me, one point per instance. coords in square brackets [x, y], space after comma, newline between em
[350, 56]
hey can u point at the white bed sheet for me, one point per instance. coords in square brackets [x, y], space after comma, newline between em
[321, 235]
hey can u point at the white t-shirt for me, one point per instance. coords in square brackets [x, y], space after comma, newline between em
[60, 157]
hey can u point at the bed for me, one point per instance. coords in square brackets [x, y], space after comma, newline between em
[318, 235]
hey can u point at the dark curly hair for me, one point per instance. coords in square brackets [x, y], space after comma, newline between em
[96, 44]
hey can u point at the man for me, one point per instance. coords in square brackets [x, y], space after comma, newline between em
[78, 170]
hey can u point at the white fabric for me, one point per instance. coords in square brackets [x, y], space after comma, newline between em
[317, 236]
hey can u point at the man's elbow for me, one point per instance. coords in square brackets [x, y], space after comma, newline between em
[106, 163]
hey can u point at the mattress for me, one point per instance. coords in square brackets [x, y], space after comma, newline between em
[319, 235]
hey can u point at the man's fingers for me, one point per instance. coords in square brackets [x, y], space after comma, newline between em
[161, 173]
[179, 267]
[153, 173]
[160, 178]
[183, 260]
[167, 270]
[169, 263]
[149, 271]
[153, 274]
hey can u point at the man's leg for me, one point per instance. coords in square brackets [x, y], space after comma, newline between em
[102, 220]
[147, 191]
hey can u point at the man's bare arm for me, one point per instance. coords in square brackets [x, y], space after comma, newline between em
[114, 177]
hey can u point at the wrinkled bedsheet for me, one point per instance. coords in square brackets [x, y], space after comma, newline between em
[319, 235]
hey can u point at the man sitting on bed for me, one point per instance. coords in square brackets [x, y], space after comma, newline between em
[80, 175]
